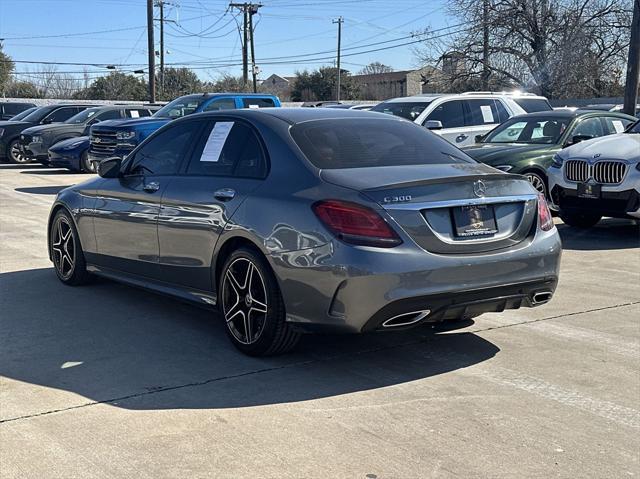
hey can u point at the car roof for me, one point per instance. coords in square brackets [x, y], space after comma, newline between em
[299, 115]
[569, 114]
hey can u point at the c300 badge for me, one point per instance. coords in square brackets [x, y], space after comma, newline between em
[397, 199]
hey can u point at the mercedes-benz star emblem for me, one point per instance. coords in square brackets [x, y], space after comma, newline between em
[479, 188]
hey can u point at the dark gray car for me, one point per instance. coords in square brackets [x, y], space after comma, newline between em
[295, 220]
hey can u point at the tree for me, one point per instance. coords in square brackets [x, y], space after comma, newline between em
[227, 83]
[6, 68]
[115, 86]
[177, 82]
[22, 89]
[560, 48]
[321, 84]
[375, 67]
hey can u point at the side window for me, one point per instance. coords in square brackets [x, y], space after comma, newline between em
[616, 125]
[590, 127]
[503, 114]
[449, 113]
[483, 112]
[61, 114]
[163, 153]
[221, 104]
[257, 102]
[241, 153]
[107, 115]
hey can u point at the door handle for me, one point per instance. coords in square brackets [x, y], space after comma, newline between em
[225, 194]
[461, 137]
[151, 187]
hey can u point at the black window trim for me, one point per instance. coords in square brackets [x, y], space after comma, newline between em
[208, 120]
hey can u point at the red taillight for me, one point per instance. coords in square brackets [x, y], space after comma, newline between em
[356, 224]
[544, 215]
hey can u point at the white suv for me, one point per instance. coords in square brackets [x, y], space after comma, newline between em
[596, 178]
[459, 118]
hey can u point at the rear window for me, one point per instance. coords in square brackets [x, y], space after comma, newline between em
[258, 102]
[408, 110]
[533, 104]
[363, 143]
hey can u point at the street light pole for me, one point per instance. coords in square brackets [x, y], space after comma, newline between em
[339, 21]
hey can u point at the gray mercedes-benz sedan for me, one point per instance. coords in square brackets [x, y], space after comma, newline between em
[293, 220]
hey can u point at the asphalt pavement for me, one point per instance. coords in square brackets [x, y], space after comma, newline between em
[106, 381]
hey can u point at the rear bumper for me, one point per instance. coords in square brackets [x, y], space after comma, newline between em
[354, 289]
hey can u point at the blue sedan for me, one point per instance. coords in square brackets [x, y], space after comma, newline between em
[72, 154]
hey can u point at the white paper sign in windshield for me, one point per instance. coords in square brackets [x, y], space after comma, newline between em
[617, 124]
[216, 140]
[487, 114]
[134, 113]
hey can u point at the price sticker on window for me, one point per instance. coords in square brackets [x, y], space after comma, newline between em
[216, 141]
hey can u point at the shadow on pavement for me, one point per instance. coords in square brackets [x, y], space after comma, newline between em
[48, 171]
[42, 190]
[138, 350]
[609, 233]
[15, 166]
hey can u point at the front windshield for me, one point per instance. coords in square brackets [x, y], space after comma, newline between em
[546, 131]
[23, 114]
[181, 107]
[38, 114]
[408, 110]
[83, 116]
[635, 128]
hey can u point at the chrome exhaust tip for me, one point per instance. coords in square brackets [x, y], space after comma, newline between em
[542, 297]
[406, 319]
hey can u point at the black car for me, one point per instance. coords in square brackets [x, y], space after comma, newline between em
[10, 130]
[9, 109]
[36, 141]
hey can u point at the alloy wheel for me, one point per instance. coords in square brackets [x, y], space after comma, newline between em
[244, 301]
[537, 182]
[16, 154]
[63, 248]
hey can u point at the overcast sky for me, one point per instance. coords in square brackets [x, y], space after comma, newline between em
[205, 32]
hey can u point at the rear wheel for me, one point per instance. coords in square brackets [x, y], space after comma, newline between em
[66, 252]
[580, 220]
[87, 166]
[252, 306]
[15, 153]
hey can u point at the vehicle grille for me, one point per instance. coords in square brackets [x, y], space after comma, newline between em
[103, 143]
[603, 172]
[609, 172]
[576, 170]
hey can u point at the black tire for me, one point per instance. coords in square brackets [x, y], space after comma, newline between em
[580, 220]
[87, 166]
[538, 181]
[66, 251]
[252, 306]
[15, 155]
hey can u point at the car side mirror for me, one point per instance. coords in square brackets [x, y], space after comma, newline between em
[578, 138]
[433, 125]
[110, 168]
[479, 138]
[47, 121]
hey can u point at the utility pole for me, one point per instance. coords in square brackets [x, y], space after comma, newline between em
[339, 21]
[485, 45]
[248, 10]
[152, 53]
[254, 72]
[633, 64]
[161, 5]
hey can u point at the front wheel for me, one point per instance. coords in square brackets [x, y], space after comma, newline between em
[66, 252]
[252, 306]
[538, 182]
[15, 153]
[87, 166]
[580, 220]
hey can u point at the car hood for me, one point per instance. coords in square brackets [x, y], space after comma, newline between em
[623, 146]
[131, 123]
[54, 128]
[83, 142]
[496, 153]
[7, 123]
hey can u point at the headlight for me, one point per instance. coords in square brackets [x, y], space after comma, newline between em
[504, 167]
[125, 135]
[557, 161]
[36, 139]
